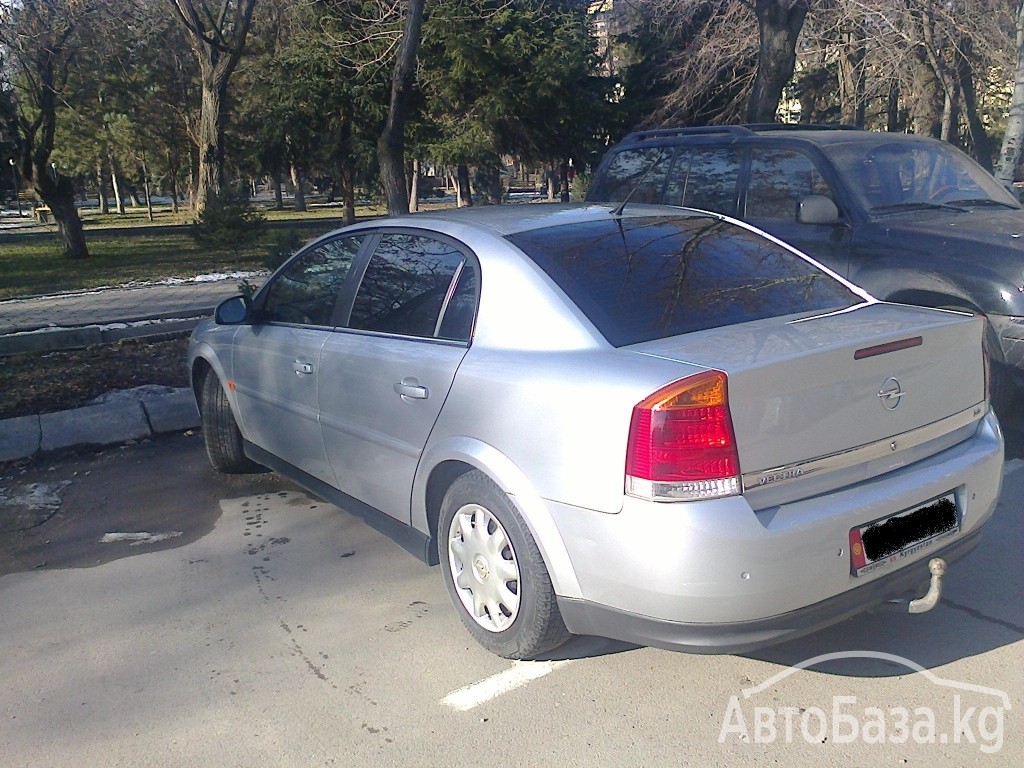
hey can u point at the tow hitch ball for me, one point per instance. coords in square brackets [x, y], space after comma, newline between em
[937, 566]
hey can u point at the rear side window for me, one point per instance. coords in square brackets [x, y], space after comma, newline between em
[645, 278]
[711, 180]
[698, 177]
[640, 175]
[406, 285]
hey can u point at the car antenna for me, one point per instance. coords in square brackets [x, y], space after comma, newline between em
[617, 211]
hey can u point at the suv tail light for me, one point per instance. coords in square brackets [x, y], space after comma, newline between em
[681, 442]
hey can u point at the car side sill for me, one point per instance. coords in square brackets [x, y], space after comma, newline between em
[583, 617]
[407, 537]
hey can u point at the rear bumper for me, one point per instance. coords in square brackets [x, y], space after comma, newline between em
[718, 576]
[586, 618]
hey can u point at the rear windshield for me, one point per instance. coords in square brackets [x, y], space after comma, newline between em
[650, 278]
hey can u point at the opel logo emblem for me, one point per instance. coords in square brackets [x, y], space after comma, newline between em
[890, 393]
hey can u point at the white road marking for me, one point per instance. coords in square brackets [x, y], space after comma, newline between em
[491, 687]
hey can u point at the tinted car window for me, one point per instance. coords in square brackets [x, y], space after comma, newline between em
[405, 285]
[644, 279]
[779, 178]
[892, 175]
[711, 180]
[638, 174]
[306, 290]
[457, 323]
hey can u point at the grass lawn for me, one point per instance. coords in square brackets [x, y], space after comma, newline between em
[33, 265]
[36, 267]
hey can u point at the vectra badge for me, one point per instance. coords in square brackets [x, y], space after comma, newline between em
[890, 393]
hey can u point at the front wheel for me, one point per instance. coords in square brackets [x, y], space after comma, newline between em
[220, 430]
[494, 571]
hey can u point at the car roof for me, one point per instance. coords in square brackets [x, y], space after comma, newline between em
[821, 135]
[514, 218]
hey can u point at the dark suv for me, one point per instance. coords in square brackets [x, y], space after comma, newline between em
[909, 218]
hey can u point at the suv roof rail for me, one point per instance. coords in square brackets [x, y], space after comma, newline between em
[668, 133]
[801, 127]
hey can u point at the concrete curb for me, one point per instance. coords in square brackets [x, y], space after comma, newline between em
[128, 414]
[80, 337]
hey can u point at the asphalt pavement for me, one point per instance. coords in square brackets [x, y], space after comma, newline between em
[84, 318]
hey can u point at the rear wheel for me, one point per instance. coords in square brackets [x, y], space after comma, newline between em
[220, 430]
[494, 571]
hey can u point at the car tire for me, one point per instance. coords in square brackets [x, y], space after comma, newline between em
[220, 430]
[494, 571]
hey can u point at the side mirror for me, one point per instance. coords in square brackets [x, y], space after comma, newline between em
[233, 311]
[817, 209]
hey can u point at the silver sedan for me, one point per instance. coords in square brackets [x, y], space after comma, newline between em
[651, 424]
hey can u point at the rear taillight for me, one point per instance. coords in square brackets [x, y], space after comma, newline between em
[681, 443]
[986, 358]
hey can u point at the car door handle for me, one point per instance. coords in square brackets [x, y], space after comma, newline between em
[301, 368]
[410, 388]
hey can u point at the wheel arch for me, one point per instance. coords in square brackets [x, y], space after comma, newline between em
[443, 463]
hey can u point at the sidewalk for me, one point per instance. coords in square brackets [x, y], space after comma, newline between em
[83, 318]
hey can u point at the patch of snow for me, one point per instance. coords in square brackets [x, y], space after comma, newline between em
[43, 496]
[141, 537]
[135, 393]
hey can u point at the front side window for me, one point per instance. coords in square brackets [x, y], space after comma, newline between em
[407, 283]
[779, 179]
[306, 290]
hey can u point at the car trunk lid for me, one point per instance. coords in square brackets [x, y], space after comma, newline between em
[801, 390]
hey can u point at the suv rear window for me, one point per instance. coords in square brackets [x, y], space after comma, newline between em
[650, 278]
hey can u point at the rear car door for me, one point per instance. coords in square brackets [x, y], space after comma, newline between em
[385, 377]
[276, 359]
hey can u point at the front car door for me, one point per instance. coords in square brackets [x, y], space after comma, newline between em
[276, 359]
[385, 377]
[777, 180]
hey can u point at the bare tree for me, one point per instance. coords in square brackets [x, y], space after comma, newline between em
[1013, 139]
[779, 23]
[217, 35]
[40, 38]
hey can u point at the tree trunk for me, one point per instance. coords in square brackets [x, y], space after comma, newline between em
[348, 191]
[980, 142]
[552, 182]
[148, 191]
[852, 76]
[779, 23]
[300, 193]
[115, 180]
[275, 182]
[391, 144]
[101, 182]
[210, 176]
[464, 193]
[414, 186]
[893, 122]
[1013, 139]
[59, 195]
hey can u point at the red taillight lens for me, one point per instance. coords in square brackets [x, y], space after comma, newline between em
[681, 442]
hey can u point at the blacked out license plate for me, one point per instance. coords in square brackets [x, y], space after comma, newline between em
[902, 535]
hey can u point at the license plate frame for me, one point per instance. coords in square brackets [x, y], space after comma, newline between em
[898, 536]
